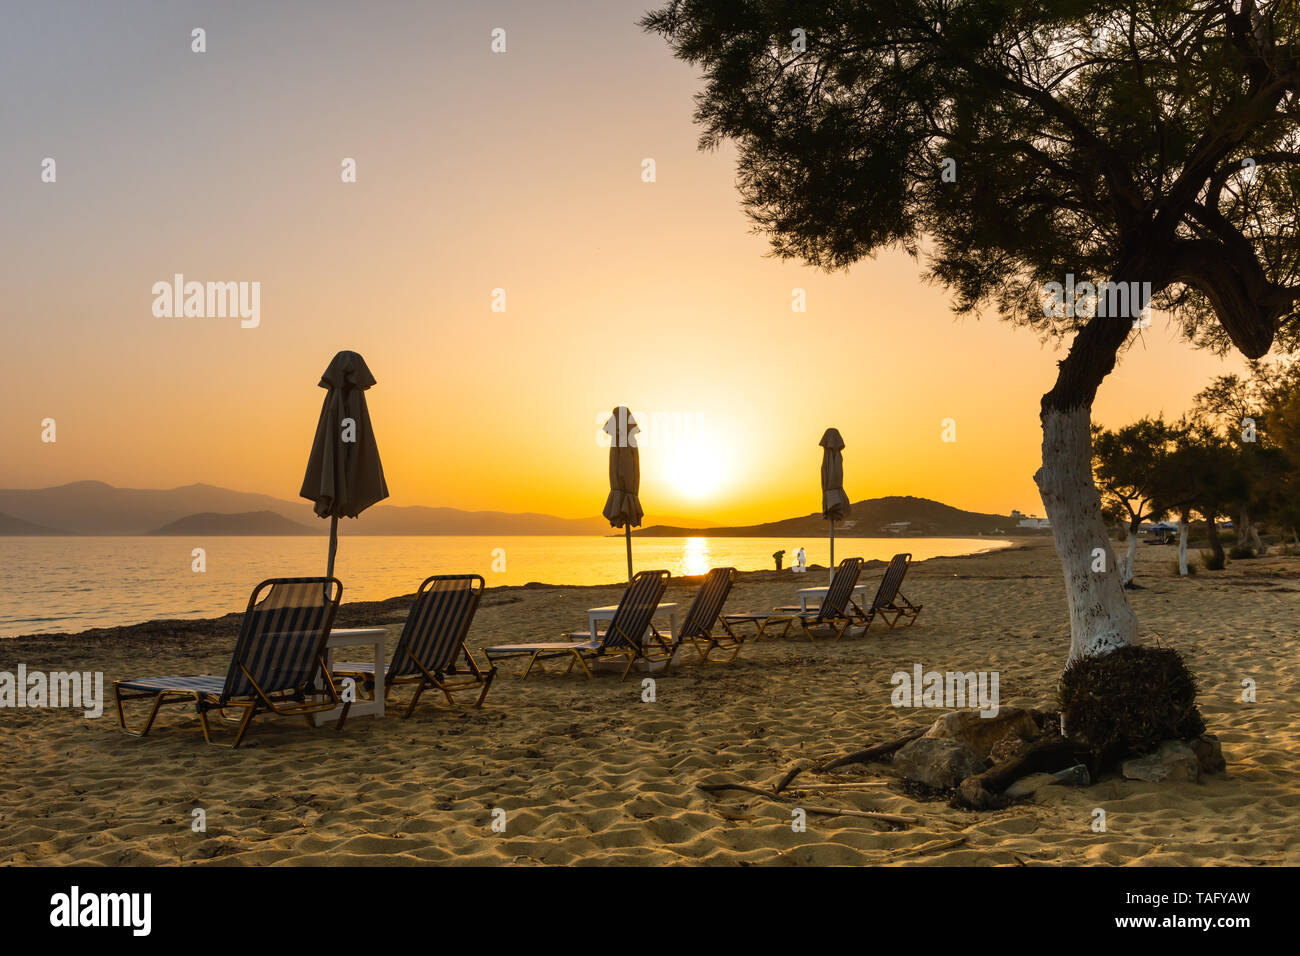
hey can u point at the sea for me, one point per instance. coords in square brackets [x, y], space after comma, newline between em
[70, 584]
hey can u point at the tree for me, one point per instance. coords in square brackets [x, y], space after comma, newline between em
[1127, 466]
[1174, 487]
[1025, 143]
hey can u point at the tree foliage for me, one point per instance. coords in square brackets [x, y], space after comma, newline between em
[1103, 139]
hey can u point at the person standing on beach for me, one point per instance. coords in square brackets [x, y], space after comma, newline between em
[777, 556]
[800, 561]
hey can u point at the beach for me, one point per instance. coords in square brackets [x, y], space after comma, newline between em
[588, 772]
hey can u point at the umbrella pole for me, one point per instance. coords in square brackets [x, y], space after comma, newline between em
[334, 545]
[832, 571]
[627, 534]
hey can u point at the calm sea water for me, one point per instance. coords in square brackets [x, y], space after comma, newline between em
[71, 584]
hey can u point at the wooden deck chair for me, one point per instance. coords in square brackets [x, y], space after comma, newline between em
[625, 636]
[704, 617]
[889, 600]
[837, 611]
[278, 663]
[432, 640]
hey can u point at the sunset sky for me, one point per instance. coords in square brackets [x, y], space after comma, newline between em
[476, 171]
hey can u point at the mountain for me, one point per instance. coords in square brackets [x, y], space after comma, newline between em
[248, 522]
[17, 526]
[96, 508]
[868, 517]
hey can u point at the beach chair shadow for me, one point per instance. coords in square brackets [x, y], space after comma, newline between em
[278, 664]
[430, 643]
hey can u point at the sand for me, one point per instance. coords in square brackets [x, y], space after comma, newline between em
[589, 773]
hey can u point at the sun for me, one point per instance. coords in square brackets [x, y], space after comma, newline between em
[697, 472]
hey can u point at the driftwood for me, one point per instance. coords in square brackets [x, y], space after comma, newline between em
[824, 811]
[928, 848]
[984, 791]
[866, 814]
[871, 753]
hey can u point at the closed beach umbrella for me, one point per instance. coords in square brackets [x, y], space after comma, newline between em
[835, 503]
[344, 475]
[623, 506]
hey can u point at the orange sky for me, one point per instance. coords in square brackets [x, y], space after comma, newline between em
[476, 171]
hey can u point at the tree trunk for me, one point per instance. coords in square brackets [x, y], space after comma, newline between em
[1243, 529]
[1130, 560]
[1184, 523]
[1212, 530]
[1100, 617]
[1255, 540]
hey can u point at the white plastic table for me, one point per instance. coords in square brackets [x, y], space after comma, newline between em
[598, 614]
[356, 637]
[859, 591]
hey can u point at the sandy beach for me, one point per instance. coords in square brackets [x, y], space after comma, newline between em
[588, 773]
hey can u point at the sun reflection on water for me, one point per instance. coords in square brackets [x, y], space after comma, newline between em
[696, 556]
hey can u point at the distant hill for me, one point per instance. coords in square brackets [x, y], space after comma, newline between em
[925, 517]
[96, 508]
[18, 527]
[249, 522]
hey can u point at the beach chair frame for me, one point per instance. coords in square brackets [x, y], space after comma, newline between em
[406, 665]
[624, 637]
[836, 611]
[242, 690]
[889, 604]
[705, 615]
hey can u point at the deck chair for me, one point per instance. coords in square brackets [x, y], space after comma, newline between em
[889, 600]
[278, 664]
[431, 641]
[624, 637]
[704, 617]
[837, 611]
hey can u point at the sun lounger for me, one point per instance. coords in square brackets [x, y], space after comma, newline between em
[624, 637]
[432, 640]
[836, 611]
[704, 617]
[889, 600]
[278, 662]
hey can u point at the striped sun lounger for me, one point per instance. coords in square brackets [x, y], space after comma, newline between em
[889, 600]
[432, 640]
[277, 664]
[836, 611]
[704, 617]
[625, 636]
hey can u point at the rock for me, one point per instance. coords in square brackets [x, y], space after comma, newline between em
[1209, 753]
[1012, 745]
[937, 763]
[1027, 785]
[1076, 776]
[1174, 761]
[981, 733]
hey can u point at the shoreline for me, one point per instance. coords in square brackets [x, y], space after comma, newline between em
[387, 606]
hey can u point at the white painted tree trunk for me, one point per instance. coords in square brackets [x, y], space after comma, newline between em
[1127, 576]
[1182, 547]
[1100, 617]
